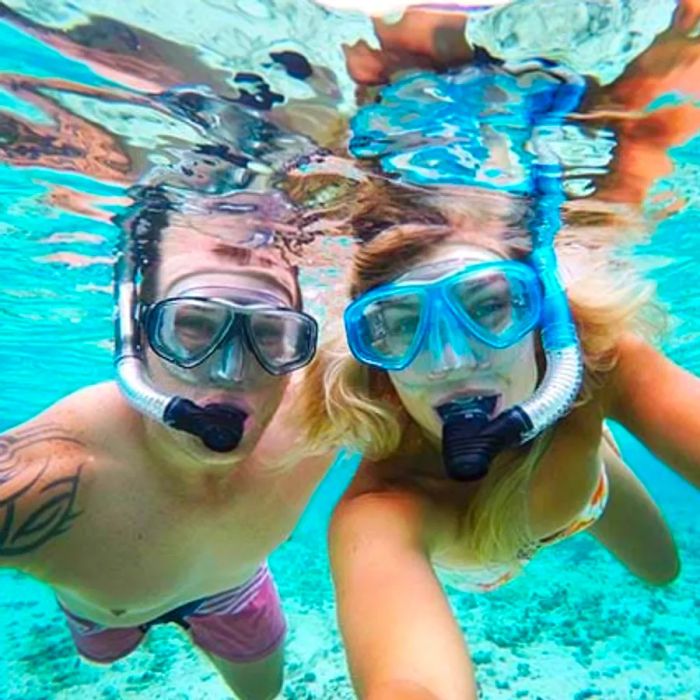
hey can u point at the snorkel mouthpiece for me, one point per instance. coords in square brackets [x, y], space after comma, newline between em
[219, 426]
[471, 439]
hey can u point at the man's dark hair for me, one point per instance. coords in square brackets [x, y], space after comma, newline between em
[141, 226]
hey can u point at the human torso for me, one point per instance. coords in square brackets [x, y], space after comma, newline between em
[564, 494]
[135, 545]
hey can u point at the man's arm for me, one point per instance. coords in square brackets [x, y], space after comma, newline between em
[40, 474]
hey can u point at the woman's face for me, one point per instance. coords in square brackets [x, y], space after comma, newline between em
[456, 364]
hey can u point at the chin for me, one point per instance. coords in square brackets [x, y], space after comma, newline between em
[195, 448]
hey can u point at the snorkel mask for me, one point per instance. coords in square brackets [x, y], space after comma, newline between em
[207, 324]
[434, 130]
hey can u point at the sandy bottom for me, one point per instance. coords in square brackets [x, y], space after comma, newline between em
[583, 630]
[575, 626]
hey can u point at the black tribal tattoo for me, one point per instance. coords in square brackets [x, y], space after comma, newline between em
[19, 480]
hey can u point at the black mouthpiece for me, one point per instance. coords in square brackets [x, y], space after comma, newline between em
[218, 425]
[470, 439]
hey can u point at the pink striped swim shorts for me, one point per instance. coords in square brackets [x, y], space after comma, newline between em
[243, 624]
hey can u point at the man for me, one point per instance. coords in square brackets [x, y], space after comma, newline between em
[158, 498]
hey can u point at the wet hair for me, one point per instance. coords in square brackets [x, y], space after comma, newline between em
[141, 227]
[360, 407]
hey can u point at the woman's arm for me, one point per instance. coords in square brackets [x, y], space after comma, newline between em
[659, 402]
[403, 643]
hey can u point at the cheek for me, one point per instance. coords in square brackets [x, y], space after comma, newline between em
[406, 385]
[412, 394]
[519, 365]
[412, 381]
[165, 374]
[266, 397]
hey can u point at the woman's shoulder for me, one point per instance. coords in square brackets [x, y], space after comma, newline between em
[412, 471]
[568, 471]
[373, 507]
[381, 479]
[418, 499]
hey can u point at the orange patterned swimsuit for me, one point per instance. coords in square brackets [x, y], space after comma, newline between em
[484, 578]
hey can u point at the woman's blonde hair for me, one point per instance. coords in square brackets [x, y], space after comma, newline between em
[347, 403]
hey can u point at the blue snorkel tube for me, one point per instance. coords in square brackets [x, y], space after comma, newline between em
[470, 439]
[426, 130]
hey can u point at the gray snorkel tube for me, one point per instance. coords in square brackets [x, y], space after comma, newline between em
[219, 426]
[470, 439]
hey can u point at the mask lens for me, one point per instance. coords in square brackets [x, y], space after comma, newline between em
[499, 303]
[283, 340]
[388, 326]
[183, 331]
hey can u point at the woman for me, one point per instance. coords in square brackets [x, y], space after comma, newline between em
[445, 309]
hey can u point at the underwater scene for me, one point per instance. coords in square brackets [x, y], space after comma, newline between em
[309, 133]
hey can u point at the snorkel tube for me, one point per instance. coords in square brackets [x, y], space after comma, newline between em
[470, 439]
[219, 426]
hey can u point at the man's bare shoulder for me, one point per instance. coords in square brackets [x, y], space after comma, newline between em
[46, 466]
[95, 414]
[42, 468]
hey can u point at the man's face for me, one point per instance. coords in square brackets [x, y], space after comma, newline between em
[191, 267]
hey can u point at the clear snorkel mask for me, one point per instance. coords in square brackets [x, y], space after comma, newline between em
[471, 437]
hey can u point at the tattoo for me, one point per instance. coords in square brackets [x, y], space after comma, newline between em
[53, 503]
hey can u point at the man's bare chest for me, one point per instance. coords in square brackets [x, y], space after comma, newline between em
[147, 549]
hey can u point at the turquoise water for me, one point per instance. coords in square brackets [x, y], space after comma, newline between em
[77, 128]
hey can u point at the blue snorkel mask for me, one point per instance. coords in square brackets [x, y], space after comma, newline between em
[494, 303]
[433, 129]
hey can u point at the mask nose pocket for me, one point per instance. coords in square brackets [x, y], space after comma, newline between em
[230, 365]
[448, 343]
